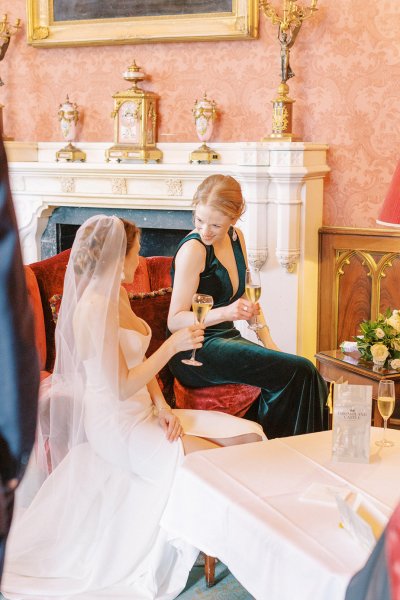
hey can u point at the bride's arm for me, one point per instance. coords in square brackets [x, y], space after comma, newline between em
[157, 396]
[167, 419]
[184, 339]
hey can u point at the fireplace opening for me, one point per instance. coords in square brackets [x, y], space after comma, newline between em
[162, 230]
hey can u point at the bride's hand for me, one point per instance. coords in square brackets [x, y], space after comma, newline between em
[187, 338]
[170, 424]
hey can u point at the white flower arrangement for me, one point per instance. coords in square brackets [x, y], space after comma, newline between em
[380, 339]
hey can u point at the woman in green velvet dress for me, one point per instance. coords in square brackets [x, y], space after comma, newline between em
[212, 260]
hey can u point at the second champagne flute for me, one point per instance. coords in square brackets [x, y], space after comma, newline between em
[386, 402]
[201, 304]
[253, 293]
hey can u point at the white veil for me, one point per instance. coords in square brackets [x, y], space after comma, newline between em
[86, 339]
[93, 522]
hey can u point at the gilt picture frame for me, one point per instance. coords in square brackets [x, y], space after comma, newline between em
[87, 22]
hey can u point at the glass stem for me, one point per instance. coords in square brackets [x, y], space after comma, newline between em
[384, 429]
[193, 354]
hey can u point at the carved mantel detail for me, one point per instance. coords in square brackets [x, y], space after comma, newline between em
[174, 187]
[257, 258]
[67, 185]
[288, 259]
[119, 186]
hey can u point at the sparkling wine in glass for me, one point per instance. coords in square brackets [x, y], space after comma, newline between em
[201, 304]
[253, 293]
[386, 402]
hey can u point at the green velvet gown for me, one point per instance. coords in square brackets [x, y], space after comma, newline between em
[293, 394]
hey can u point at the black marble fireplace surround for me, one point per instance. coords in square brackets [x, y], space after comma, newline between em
[161, 229]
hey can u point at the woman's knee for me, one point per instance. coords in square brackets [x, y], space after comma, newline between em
[306, 366]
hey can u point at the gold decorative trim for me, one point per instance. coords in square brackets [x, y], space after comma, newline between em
[43, 31]
[40, 33]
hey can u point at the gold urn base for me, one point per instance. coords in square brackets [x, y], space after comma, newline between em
[120, 153]
[6, 138]
[281, 137]
[71, 154]
[282, 114]
[203, 154]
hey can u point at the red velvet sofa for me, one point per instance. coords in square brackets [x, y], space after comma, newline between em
[150, 295]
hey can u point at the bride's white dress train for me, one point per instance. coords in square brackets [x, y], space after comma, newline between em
[100, 537]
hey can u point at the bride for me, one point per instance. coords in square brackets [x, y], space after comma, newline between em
[108, 445]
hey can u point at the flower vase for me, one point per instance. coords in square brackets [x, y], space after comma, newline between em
[379, 363]
[68, 116]
[205, 113]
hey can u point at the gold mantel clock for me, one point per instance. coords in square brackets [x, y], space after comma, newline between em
[135, 122]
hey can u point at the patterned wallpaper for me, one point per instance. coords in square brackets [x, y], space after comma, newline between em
[347, 91]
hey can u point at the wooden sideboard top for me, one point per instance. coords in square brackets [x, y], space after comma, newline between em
[352, 361]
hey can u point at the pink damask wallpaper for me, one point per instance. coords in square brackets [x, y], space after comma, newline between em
[347, 90]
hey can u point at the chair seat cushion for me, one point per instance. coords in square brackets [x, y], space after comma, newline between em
[232, 398]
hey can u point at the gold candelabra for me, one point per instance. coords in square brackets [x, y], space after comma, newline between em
[6, 31]
[289, 24]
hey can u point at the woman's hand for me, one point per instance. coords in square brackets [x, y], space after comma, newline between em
[187, 338]
[241, 310]
[170, 424]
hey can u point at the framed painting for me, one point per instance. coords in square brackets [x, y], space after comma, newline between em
[91, 22]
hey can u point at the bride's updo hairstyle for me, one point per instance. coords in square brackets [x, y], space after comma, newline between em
[223, 193]
[91, 241]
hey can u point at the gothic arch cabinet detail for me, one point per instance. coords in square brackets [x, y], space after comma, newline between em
[359, 277]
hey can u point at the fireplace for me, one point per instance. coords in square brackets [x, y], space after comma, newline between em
[162, 230]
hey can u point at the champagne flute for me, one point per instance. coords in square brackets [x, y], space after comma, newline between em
[253, 293]
[201, 304]
[386, 402]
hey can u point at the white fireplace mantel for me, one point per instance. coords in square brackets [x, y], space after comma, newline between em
[281, 181]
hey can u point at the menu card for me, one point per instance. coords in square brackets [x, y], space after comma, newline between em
[352, 405]
[361, 518]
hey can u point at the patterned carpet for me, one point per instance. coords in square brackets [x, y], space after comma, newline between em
[225, 588]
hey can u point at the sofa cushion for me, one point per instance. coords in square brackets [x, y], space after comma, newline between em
[159, 269]
[231, 398]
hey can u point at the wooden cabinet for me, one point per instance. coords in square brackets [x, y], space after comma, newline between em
[359, 276]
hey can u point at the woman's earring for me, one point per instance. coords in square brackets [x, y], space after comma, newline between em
[234, 235]
[123, 276]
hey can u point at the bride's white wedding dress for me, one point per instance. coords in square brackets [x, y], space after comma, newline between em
[98, 536]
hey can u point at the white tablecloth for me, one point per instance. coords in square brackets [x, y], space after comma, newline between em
[242, 504]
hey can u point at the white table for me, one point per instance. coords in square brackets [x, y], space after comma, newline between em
[241, 504]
